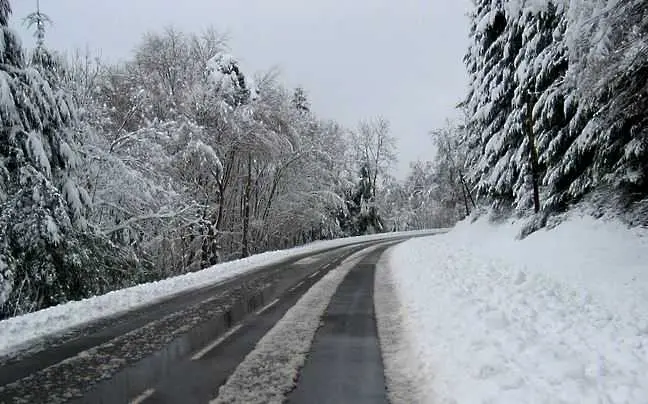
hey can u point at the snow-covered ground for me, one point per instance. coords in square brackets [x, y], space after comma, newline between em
[21, 331]
[559, 317]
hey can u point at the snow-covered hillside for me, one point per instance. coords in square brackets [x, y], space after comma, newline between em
[559, 317]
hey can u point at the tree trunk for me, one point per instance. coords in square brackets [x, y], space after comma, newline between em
[467, 190]
[246, 210]
[221, 206]
[210, 254]
[533, 155]
[465, 197]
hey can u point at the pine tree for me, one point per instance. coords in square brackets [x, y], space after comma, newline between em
[361, 215]
[608, 75]
[491, 66]
[38, 20]
[559, 102]
[44, 259]
[539, 114]
[518, 122]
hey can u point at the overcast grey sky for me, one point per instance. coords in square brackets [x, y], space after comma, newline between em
[401, 59]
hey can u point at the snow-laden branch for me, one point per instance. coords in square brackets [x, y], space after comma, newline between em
[140, 218]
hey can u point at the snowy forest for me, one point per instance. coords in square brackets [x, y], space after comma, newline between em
[557, 109]
[114, 174]
[118, 173]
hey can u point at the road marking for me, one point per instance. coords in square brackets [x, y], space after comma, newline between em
[314, 274]
[266, 307]
[294, 288]
[214, 344]
[142, 397]
[307, 260]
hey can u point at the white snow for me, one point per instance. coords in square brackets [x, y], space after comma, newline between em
[17, 333]
[37, 153]
[269, 372]
[5, 280]
[559, 317]
[52, 231]
[206, 157]
[405, 383]
[73, 199]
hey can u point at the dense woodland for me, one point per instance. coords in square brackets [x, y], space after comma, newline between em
[172, 161]
[557, 111]
[113, 174]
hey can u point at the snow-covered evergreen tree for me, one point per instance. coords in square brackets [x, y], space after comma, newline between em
[44, 254]
[608, 75]
[558, 100]
[38, 20]
[491, 66]
[361, 214]
[538, 117]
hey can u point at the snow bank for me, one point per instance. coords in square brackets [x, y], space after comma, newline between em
[559, 317]
[405, 383]
[18, 332]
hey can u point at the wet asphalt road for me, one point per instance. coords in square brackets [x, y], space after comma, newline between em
[117, 359]
[345, 362]
[196, 379]
[183, 349]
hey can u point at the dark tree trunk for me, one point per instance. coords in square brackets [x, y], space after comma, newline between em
[533, 155]
[465, 197]
[246, 210]
[221, 206]
[467, 191]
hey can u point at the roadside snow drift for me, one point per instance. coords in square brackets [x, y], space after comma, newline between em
[559, 317]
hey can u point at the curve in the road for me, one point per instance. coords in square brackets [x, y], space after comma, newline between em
[162, 353]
